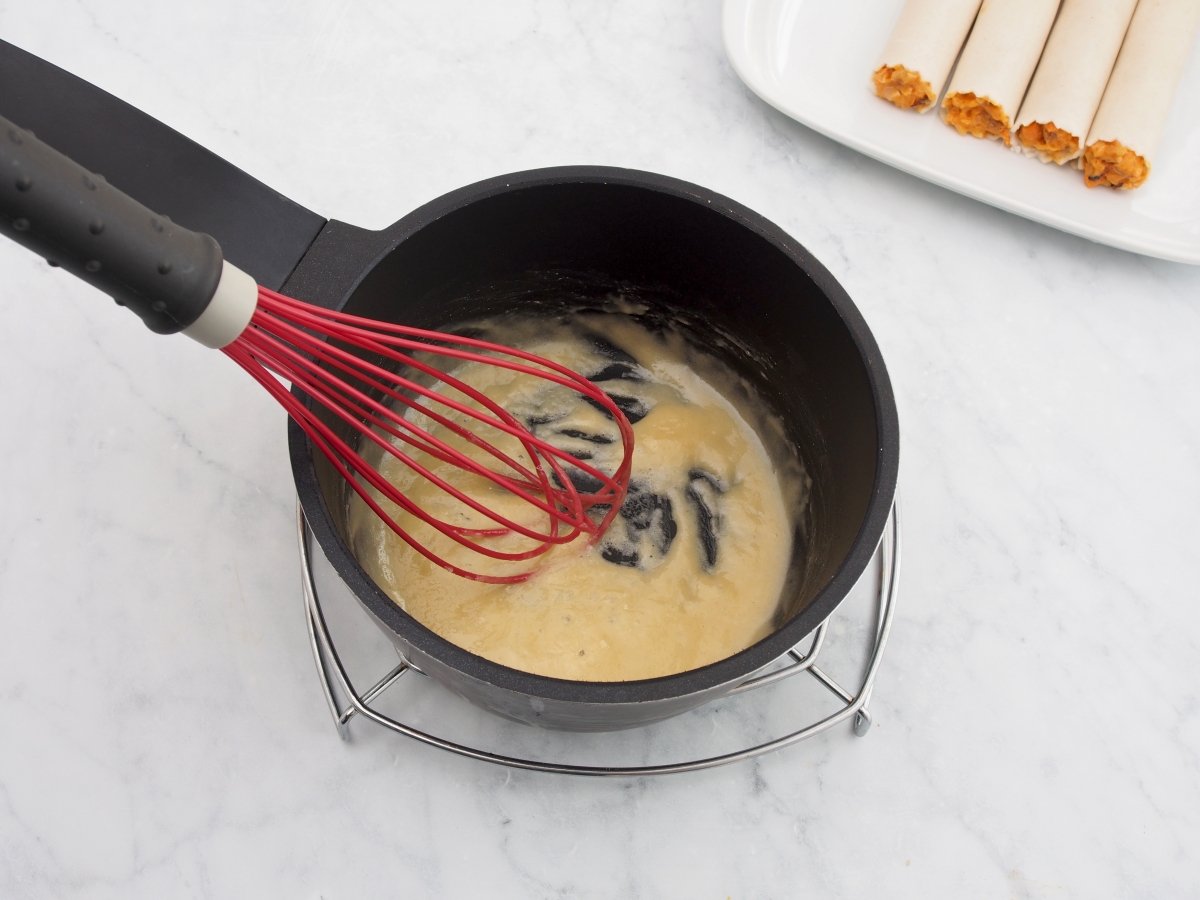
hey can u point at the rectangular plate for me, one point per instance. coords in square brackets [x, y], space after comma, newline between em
[813, 59]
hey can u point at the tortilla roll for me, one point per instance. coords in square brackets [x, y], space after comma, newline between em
[1069, 82]
[921, 51]
[996, 66]
[1133, 113]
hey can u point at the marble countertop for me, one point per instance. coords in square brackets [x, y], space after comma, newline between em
[1037, 715]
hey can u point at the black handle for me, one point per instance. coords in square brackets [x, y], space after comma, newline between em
[164, 272]
[260, 231]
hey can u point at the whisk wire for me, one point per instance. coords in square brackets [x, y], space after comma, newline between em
[304, 345]
[550, 371]
[337, 451]
[354, 402]
[349, 463]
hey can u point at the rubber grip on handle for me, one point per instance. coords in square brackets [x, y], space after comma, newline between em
[165, 273]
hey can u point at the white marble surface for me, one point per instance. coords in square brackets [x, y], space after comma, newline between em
[1038, 715]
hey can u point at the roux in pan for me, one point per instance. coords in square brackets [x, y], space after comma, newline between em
[692, 569]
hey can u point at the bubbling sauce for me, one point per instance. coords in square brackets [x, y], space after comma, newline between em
[691, 570]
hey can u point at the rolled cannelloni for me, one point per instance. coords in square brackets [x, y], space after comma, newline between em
[996, 65]
[921, 51]
[1137, 101]
[1066, 89]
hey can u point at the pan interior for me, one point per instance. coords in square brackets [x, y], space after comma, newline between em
[733, 291]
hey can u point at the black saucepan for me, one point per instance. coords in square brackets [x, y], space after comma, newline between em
[737, 283]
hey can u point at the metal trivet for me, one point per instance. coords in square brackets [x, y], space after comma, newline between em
[336, 683]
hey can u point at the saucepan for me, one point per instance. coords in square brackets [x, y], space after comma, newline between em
[738, 283]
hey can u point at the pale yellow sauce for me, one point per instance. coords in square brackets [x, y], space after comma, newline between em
[582, 616]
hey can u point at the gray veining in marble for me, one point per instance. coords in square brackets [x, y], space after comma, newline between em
[1038, 712]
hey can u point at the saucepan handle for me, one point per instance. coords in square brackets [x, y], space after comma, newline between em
[259, 230]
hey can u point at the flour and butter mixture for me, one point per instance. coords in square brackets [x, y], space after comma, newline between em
[692, 569]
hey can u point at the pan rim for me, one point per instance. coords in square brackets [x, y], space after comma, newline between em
[706, 679]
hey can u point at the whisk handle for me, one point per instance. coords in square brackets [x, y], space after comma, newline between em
[165, 273]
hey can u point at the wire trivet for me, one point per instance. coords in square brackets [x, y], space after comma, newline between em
[346, 701]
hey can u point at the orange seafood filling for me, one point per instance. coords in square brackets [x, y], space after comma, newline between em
[903, 88]
[1049, 140]
[977, 116]
[1112, 164]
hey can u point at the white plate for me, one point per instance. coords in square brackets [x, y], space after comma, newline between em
[813, 59]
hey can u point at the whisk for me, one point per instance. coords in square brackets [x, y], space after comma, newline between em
[371, 381]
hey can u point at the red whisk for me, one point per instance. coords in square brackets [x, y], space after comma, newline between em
[359, 376]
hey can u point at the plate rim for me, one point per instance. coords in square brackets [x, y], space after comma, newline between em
[735, 36]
